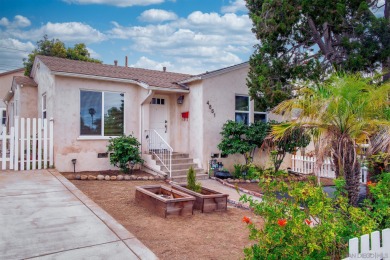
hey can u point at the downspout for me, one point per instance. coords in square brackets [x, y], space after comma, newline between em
[150, 93]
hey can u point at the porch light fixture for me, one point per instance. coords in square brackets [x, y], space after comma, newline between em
[74, 164]
[180, 100]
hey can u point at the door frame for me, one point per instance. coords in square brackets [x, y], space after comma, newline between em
[167, 109]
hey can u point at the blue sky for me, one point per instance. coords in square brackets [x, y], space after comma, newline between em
[190, 36]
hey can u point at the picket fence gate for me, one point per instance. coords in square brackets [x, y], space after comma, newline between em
[379, 249]
[306, 165]
[28, 145]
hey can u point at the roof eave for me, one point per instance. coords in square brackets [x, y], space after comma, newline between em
[135, 82]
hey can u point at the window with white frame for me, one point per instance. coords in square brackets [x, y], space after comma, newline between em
[259, 114]
[242, 109]
[101, 113]
[44, 106]
[3, 116]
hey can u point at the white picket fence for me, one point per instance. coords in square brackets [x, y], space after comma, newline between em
[28, 145]
[379, 249]
[306, 165]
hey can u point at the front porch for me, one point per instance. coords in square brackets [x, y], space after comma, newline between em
[165, 135]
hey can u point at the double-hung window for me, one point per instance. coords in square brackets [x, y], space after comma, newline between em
[44, 114]
[3, 117]
[101, 113]
[242, 109]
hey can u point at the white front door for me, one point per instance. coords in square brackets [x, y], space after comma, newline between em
[159, 116]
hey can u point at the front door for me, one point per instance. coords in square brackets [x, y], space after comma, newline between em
[159, 116]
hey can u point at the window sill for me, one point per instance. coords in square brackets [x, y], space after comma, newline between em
[89, 138]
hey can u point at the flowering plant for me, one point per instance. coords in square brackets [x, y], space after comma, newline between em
[302, 222]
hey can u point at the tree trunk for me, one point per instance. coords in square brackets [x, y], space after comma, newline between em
[386, 65]
[347, 166]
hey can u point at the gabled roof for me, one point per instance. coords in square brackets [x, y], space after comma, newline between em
[153, 78]
[11, 71]
[215, 72]
[23, 80]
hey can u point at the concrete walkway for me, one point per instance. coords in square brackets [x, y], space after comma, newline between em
[43, 215]
[234, 195]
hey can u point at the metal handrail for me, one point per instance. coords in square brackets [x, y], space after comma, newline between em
[161, 149]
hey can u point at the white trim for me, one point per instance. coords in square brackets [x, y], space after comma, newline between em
[94, 137]
[243, 111]
[97, 137]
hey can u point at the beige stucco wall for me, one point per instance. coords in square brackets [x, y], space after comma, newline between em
[68, 143]
[219, 91]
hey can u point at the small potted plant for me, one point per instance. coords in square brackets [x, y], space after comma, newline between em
[207, 200]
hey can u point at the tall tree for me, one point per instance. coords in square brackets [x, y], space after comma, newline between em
[56, 48]
[345, 111]
[302, 39]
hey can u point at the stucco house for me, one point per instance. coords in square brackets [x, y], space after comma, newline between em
[172, 114]
[6, 79]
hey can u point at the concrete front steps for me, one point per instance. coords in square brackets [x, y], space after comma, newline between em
[181, 162]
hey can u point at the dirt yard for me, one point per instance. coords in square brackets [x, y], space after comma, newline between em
[218, 235]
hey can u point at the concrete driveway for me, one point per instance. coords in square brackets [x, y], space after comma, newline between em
[43, 215]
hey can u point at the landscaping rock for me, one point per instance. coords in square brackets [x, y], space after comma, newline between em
[120, 177]
[100, 177]
[133, 177]
[71, 177]
[107, 177]
[113, 178]
[84, 177]
[127, 177]
[78, 177]
[151, 178]
[145, 178]
[248, 181]
[257, 180]
[91, 177]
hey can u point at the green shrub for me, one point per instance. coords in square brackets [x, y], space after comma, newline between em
[378, 201]
[124, 152]
[306, 223]
[191, 181]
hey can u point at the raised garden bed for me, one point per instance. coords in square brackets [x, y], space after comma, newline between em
[207, 200]
[164, 201]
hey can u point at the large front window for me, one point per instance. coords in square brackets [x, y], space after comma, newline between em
[242, 109]
[101, 113]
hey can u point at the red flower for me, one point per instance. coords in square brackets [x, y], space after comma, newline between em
[246, 220]
[371, 184]
[308, 221]
[282, 222]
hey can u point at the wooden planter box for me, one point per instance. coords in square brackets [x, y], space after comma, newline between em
[164, 200]
[207, 200]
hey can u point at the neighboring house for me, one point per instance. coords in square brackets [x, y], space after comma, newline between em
[91, 103]
[5, 83]
[21, 99]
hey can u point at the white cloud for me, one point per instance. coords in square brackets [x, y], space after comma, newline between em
[18, 22]
[12, 52]
[93, 53]
[157, 15]
[67, 32]
[119, 3]
[199, 42]
[147, 63]
[234, 7]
